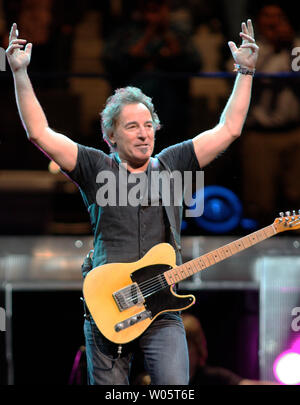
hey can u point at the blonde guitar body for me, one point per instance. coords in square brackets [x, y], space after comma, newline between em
[140, 279]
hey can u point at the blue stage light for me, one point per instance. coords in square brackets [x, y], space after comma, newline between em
[222, 210]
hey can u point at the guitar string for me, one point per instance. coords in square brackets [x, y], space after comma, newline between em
[155, 278]
[147, 288]
[146, 291]
[149, 283]
[147, 294]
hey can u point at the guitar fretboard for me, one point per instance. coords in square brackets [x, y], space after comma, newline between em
[193, 266]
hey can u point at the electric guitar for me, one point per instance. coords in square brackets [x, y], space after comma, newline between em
[125, 298]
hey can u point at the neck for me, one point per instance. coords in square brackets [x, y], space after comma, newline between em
[193, 266]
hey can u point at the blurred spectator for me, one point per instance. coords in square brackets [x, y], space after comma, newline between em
[273, 124]
[233, 11]
[92, 91]
[200, 372]
[115, 12]
[209, 42]
[49, 25]
[35, 18]
[145, 51]
[36, 21]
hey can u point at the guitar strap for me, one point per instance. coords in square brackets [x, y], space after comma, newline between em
[170, 209]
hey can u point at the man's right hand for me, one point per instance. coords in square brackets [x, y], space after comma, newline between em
[18, 59]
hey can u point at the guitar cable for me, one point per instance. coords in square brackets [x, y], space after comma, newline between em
[86, 267]
[113, 360]
[88, 317]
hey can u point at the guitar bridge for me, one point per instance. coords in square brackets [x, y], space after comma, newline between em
[128, 297]
[132, 320]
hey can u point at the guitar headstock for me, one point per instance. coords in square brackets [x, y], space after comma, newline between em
[287, 222]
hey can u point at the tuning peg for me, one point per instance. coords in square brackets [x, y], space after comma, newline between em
[294, 212]
[287, 213]
[282, 214]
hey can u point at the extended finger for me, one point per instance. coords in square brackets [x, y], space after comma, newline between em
[232, 46]
[244, 28]
[28, 48]
[13, 32]
[250, 28]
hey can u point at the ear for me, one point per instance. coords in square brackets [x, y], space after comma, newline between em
[112, 139]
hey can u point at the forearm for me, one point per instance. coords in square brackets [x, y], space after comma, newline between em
[30, 110]
[211, 143]
[236, 109]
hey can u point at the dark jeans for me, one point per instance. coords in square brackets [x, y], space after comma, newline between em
[164, 347]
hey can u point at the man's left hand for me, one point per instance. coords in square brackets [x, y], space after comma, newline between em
[246, 55]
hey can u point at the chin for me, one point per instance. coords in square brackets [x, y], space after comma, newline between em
[143, 156]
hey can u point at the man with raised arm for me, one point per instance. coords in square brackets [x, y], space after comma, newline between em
[125, 232]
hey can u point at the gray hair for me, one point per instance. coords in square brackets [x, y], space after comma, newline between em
[114, 105]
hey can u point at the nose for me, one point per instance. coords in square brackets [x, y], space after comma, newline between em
[142, 133]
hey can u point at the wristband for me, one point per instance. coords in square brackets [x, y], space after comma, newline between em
[243, 70]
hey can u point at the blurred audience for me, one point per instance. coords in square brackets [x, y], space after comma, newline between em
[272, 133]
[35, 18]
[145, 51]
[210, 42]
[144, 43]
[233, 12]
[92, 91]
[48, 24]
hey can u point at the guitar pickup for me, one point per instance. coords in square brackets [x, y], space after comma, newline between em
[128, 297]
[132, 320]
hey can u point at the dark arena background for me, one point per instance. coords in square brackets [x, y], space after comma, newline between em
[249, 304]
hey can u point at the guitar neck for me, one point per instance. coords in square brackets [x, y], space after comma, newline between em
[194, 266]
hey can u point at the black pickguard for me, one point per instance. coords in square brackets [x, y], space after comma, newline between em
[163, 300]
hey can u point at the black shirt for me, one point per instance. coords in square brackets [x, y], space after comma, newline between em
[124, 233]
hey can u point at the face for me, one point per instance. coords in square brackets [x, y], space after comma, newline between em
[134, 135]
[269, 19]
